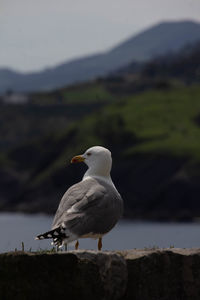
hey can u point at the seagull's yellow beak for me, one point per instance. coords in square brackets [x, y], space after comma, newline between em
[77, 159]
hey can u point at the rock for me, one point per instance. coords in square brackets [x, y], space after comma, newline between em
[112, 271]
[171, 274]
[167, 274]
[72, 275]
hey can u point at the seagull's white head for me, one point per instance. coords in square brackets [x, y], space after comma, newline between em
[98, 159]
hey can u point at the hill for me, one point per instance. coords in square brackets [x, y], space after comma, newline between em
[183, 65]
[150, 121]
[158, 40]
[49, 113]
[154, 137]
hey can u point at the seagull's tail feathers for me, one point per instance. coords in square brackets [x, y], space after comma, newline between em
[57, 234]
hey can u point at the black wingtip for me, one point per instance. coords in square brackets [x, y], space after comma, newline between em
[39, 237]
[56, 234]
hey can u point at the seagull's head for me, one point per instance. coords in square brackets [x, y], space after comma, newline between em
[98, 159]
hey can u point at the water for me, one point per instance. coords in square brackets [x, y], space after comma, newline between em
[18, 228]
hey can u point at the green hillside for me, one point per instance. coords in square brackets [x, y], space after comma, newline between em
[50, 113]
[166, 121]
[154, 122]
[152, 129]
[87, 93]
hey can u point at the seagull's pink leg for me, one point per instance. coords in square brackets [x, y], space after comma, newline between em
[76, 245]
[100, 244]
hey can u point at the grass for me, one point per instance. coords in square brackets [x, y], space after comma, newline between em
[87, 93]
[158, 122]
[50, 112]
[164, 120]
[39, 251]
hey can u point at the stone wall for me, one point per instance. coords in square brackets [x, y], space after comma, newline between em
[168, 274]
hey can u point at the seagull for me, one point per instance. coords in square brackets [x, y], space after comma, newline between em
[89, 208]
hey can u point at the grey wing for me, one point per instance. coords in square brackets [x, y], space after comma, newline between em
[73, 195]
[95, 209]
[98, 216]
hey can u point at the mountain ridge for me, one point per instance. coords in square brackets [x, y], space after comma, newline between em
[157, 40]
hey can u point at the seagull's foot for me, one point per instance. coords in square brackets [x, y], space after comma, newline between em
[76, 245]
[100, 244]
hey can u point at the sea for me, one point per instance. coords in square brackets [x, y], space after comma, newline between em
[18, 231]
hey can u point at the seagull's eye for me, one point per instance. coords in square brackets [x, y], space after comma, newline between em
[88, 154]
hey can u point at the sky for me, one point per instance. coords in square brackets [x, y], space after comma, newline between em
[39, 34]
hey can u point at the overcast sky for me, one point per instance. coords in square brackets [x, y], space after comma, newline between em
[36, 34]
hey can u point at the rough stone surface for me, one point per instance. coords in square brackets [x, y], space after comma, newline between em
[168, 274]
[71, 275]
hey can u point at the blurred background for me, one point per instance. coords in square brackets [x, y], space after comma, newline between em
[121, 74]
